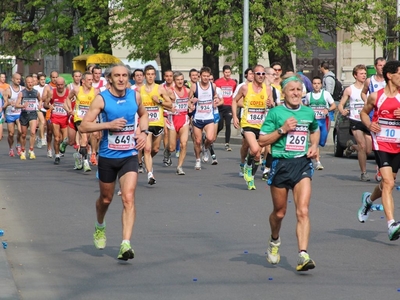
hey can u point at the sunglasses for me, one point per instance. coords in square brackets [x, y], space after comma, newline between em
[278, 70]
[260, 73]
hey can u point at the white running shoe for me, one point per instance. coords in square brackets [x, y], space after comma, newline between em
[197, 166]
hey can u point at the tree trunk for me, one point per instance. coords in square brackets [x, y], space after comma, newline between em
[165, 61]
[285, 59]
[210, 57]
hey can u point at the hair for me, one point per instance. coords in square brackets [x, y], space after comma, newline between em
[226, 67]
[109, 70]
[325, 65]
[169, 71]
[276, 63]
[75, 71]
[96, 67]
[34, 75]
[177, 74]
[378, 59]
[3, 73]
[52, 72]
[137, 71]
[246, 72]
[358, 68]
[205, 70]
[316, 77]
[289, 78]
[148, 68]
[192, 71]
[86, 74]
[391, 67]
[90, 66]
[256, 66]
[42, 75]
[29, 76]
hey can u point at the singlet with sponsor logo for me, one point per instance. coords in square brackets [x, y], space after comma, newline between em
[254, 107]
[294, 143]
[356, 104]
[11, 110]
[318, 105]
[58, 102]
[30, 98]
[82, 103]
[154, 110]
[388, 139]
[181, 102]
[205, 103]
[119, 143]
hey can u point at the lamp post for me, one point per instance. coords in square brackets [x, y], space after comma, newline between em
[246, 34]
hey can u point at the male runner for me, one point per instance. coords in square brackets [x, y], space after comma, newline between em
[28, 101]
[42, 111]
[288, 129]
[119, 145]
[385, 133]
[138, 76]
[169, 87]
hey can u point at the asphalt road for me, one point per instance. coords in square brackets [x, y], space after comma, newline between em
[198, 236]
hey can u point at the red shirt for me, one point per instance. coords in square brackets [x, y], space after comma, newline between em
[227, 87]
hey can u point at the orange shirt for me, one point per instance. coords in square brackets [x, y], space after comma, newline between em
[4, 86]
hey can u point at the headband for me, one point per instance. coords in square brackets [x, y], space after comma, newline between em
[289, 79]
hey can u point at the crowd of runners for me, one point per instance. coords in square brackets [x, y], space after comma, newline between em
[283, 118]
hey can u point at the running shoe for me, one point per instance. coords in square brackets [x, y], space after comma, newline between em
[151, 179]
[57, 161]
[39, 144]
[250, 185]
[266, 174]
[318, 166]
[11, 153]
[248, 173]
[364, 177]
[206, 156]
[63, 145]
[394, 231]
[197, 166]
[126, 252]
[167, 158]
[304, 262]
[227, 147]
[22, 155]
[273, 256]
[49, 153]
[365, 209]
[378, 175]
[86, 166]
[241, 172]
[19, 150]
[214, 160]
[44, 142]
[180, 171]
[140, 170]
[177, 153]
[348, 150]
[119, 193]
[32, 155]
[93, 159]
[78, 162]
[99, 237]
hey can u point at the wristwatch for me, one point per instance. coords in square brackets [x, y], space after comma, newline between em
[280, 131]
[146, 131]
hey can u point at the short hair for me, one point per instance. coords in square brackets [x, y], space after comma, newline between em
[96, 67]
[378, 59]
[85, 74]
[149, 68]
[137, 71]
[29, 76]
[52, 72]
[246, 72]
[205, 70]
[42, 75]
[316, 77]
[169, 71]
[325, 65]
[192, 71]
[391, 67]
[256, 66]
[358, 68]
[110, 69]
[3, 73]
[276, 63]
[288, 78]
[75, 71]
[177, 74]
[90, 66]
[226, 67]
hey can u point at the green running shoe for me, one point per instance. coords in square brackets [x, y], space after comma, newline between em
[62, 147]
[99, 237]
[126, 252]
[250, 185]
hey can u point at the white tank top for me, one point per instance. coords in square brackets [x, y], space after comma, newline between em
[374, 85]
[11, 110]
[204, 105]
[356, 103]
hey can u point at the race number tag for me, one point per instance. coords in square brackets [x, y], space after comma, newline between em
[59, 109]
[255, 115]
[319, 112]
[390, 131]
[123, 139]
[154, 113]
[181, 105]
[226, 91]
[31, 104]
[356, 110]
[82, 111]
[297, 140]
[204, 106]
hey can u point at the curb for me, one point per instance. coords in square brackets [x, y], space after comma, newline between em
[8, 289]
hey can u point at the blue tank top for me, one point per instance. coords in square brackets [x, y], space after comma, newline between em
[119, 144]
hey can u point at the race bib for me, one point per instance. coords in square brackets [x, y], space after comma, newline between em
[82, 111]
[181, 105]
[31, 104]
[356, 109]
[154, 113]
[204, 107]
[123, 139]
[319, 112]
[59, 109]
[255, 115]
[226, 91]
[296, 140]
[390, 131]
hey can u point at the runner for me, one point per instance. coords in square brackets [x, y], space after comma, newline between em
[3, 82]
[257, 100]
[204, 97]
[84, 97]
[358, 129]
[41, 112]
[2, 115]
[120, 142]
[28, 101]
[287, 128]
[59, 116]
[385, 132]
[169, 87]
[10, 97]
[155, 98]
[216, 121]
[321, 103]
[138, 76]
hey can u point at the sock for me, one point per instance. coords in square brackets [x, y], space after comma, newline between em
[301, 251]
[390, 222]
[250, 159]
[100, 225]
[126, 242]
[369, 201]
[255, 167]
[30, 149]
[273, 239]
[212, 150]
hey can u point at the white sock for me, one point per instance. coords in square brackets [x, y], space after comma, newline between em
[390, 222]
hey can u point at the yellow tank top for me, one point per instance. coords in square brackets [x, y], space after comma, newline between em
[82, 103]
[155, 111]
[254, 107]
